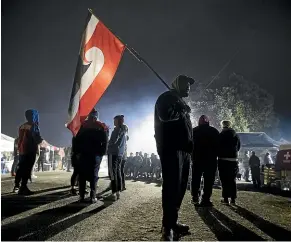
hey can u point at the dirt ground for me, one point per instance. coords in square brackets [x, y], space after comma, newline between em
[53, 214]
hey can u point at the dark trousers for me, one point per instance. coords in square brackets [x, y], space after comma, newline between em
[256, 176]
[227, 173]
[26, 163]
[40, 163]
[123, 162]
[74, 177]
[15, 164]
[69, 164]
[175, 172]
[208, 170]
[89, 169]
[114, 163]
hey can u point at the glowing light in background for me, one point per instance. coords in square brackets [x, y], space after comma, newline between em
[141, 137]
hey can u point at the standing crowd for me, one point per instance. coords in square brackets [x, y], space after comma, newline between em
[178, 146]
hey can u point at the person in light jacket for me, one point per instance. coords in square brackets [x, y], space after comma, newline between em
[116, 150]
[229, 146]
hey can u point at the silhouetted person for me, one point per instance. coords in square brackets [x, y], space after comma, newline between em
[268, 160]
[254, 164]
[137, 163]
[204, 157]
[41, 159]
[229, 146]
[174, 139]
[76, 164]
[116, 149]
[123, 161]
[246, 166]
[29, 139]
[90, 145]
[16, 158]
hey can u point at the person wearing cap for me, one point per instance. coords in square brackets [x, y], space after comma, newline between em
[229, 146]
[204, 159]
[116, 150]
[28, 143]
[174, 140]
[89, 146]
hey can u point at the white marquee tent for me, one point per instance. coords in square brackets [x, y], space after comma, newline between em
[7, 143]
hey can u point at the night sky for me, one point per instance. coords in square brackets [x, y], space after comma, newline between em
[41, 40]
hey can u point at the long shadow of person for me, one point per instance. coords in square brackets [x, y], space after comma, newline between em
[15, 204]
[273, 230]
[44, 225]
[36, 192]
[225, 228]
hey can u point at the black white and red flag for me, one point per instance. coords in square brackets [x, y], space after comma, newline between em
[99, 57]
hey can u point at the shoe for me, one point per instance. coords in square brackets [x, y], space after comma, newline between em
[195, 200]
[181, 229]
[74, 192]
[93, 200]
[24, 191]
[225, 201]
[123, 189]
[16, 189]
[118, 195]
[232, 202]
[82, 199]
[205, 203]
[113, 197]
[167, 234]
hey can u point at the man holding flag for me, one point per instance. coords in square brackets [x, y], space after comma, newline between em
[89, 147]
[174, 138]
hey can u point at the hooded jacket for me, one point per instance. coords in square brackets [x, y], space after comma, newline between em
[173, 127]
[205, 140]
[29, 134]
[229, 144]
[117, 142]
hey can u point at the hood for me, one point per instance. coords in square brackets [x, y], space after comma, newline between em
[229, 131]
[32, 116]
[203, 120]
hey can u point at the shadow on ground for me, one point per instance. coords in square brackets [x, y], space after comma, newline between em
[273, 230]
[224, 228]
[15, 204]
[145, 180]
[44, 225]
[271, 190]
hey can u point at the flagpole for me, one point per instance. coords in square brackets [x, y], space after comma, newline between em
[135, 54]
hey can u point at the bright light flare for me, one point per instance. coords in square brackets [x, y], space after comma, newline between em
[141, 137]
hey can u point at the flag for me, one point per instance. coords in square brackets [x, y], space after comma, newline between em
[99, 57]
